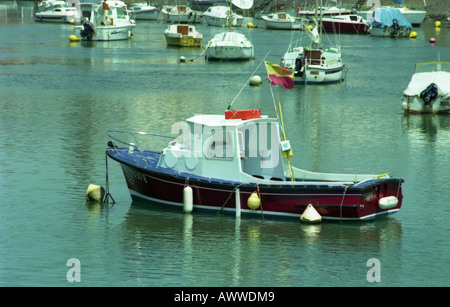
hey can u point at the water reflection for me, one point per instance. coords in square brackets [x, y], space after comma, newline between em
[429, 127]
[202, 249]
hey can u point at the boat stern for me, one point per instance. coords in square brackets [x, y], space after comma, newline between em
[380, 197]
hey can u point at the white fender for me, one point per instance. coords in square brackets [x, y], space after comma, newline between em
[188, 199]
[388, 202]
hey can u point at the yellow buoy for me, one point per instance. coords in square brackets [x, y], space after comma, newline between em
[413, 35]
[95, 193]
[437, 24]
[253, 201]
[310, 27]
[74, 38]
[250, 25]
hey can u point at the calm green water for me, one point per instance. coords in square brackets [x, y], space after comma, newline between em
[57, 99]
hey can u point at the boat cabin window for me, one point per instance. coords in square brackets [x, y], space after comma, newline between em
[313, 56]
[354, 18]
[121, 13]
[183, 29]
[259, 150]
[218, 144]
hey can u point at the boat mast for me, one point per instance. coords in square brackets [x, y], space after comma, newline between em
[230, 15]
[320, 24]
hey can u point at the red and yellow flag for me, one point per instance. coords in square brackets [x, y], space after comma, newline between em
[280, 75]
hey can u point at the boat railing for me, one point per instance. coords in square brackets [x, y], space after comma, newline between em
[135, 140]
[432, 66]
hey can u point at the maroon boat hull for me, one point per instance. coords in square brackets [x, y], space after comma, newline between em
[344, 27]
[338, 203]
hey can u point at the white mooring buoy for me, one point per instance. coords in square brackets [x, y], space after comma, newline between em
[310, 215]
[188, 199]
[95, 193]
[255, 80]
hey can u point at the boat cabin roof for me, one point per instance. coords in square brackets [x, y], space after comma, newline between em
[222, 121]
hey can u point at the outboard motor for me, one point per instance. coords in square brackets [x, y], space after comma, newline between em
[395, 27]
[298, 70]
[87, 30]
[429, 94]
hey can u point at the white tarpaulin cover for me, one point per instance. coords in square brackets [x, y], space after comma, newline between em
[420, 81]
[243, 4]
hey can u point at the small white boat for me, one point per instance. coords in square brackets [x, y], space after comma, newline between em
[144, 11]
[181, 14]
[389, 23]
[281, 21]
[55, 11]
[429, 89]
[230, 46]
[221, 16]
[183, 35]
[107, 22]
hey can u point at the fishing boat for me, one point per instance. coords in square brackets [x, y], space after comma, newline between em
[229, 45]
[313, 64]
[345, 24]
[144, 11]
[222, 16]
[389, 22]
[429, 89]
[106, 22]
[181, 14]
[281, 21]
[217, 164]
[183, 35]
[55, 11]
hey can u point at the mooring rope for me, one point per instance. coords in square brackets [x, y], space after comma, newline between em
[107, 195]
[207, 46]
[342, 202]
[232, 191]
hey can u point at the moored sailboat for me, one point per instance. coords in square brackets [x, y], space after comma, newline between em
[229, 45]
[314, 65]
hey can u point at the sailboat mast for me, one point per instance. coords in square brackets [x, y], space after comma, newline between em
[315, 11]
[230, 15]
[320, 24]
